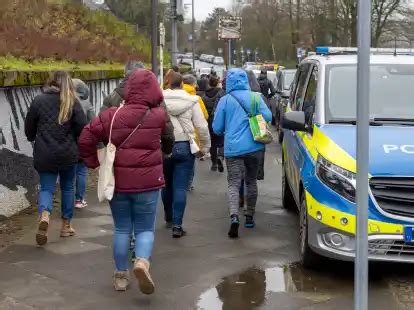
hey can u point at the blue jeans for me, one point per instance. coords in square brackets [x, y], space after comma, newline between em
[177, 172]
[133, 211]
[81, 178]
[48, 187]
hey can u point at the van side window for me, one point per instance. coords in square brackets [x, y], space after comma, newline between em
[300, 89]
[309, 101]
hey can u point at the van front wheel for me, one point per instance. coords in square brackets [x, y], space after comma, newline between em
[309, 258]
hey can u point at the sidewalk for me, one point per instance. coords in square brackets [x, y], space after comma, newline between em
[204, 270]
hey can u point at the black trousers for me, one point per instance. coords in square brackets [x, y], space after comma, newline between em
[217, 142]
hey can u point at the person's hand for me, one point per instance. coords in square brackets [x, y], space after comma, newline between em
[199, 155]
[205, 157]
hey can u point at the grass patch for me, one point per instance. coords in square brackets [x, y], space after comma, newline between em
[11, 63]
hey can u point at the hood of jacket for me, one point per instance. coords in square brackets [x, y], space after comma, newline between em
[142, 88]
[178, 101]
[190, 89]
[262, 76]
[212, 92]
[81, 89]
[237, 80]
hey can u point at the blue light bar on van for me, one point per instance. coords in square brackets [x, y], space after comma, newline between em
[328, 50]
[323, 50]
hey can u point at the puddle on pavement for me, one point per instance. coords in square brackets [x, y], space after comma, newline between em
[251, 288]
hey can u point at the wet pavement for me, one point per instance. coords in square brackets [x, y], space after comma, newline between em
[205, 270]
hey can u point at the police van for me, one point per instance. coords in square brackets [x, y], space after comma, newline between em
[319, 154]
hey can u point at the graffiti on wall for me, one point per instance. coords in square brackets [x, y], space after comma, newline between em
[18, 179]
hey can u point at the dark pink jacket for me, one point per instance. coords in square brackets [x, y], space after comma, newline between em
[138, 164]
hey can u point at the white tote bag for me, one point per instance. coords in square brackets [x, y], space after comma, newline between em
[194, 147]
[106, 157]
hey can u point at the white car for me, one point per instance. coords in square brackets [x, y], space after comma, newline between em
[204, 71]
[218, 61]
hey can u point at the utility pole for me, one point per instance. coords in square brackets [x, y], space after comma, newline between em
[154, 36]
[229, 64]
[162, 44]
[174, 34]
[193, 32]
[362, 136]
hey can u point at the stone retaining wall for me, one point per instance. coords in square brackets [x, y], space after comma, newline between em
[18, 179]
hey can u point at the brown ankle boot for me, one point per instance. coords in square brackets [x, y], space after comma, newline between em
[141, 271]
[43, 227]
[121, 280]
[67, 230]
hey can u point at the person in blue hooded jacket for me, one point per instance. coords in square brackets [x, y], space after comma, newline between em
[242, 153]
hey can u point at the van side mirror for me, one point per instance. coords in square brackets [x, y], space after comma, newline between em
[294, 120]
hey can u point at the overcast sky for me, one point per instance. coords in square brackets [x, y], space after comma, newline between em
[204, 7]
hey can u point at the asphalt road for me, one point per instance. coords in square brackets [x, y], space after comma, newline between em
[204, 270]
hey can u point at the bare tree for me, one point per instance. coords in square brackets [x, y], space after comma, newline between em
[382, 12]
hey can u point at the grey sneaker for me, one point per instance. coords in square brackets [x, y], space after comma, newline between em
[121, 280]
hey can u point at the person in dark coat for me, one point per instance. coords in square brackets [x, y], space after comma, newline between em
[54, 122]
[118, 95]
[82, 94]
[138, 170]
[202, 85]
[255, 87]
[266, 86]
[211, 98]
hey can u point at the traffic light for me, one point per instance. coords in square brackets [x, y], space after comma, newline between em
[179, 9]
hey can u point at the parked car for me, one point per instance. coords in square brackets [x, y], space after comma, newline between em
[284, 79]
[210, 59]
[204, 72]
[219, 61]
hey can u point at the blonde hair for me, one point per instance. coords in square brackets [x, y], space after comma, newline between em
[62, 81]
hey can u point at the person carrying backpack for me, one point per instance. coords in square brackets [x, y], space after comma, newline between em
[211, 98]
[241, 151]
[82, 94]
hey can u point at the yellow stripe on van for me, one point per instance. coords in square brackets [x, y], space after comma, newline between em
[332, 218]
[319, 143]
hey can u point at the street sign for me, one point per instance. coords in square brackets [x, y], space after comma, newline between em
[180, 12]
[230, 28]
[162, 34]
[300, 52]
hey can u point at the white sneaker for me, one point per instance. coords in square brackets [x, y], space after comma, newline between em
[80, 204]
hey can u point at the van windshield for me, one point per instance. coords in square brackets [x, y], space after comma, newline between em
[391, 92]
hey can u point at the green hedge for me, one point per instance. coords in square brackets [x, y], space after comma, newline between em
[36, 78]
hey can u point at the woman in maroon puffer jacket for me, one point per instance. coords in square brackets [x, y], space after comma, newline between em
[138, 170]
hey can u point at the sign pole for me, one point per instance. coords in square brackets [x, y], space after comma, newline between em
[362, 183]
[154, 35]
[162, 44]
[174, 33]
[193, 33]
[229, 47]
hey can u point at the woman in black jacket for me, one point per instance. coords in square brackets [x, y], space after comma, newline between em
[54, 122]
[211, 98]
